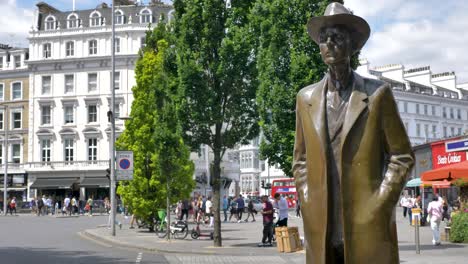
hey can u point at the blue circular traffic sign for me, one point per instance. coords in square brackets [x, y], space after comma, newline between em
[124, 164]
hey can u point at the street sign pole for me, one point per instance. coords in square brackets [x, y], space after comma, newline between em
[112, 119]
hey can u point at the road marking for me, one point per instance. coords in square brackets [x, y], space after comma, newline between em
[139, 257]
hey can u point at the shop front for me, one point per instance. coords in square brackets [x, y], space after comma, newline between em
[16, 186]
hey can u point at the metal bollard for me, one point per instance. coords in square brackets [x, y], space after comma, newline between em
[416, 233]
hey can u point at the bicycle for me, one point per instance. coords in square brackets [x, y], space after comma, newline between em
[178, 229]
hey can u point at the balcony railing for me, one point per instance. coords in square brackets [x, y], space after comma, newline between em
[59, 164]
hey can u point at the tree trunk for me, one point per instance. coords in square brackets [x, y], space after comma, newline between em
[216, 198]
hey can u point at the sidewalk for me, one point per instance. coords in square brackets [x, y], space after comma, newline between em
[241, 239]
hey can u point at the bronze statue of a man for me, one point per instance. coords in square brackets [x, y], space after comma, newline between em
[352, 155]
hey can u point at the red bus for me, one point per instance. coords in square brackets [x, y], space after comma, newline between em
[287, 188]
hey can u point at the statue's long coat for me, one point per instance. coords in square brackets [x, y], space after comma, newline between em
[376, 160]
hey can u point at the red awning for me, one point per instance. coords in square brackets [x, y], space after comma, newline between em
[441, 184]
[455, 171]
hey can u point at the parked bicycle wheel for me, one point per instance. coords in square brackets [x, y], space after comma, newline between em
[181, 234]
[160, 230]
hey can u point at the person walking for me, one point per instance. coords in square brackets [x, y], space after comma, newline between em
[250, 211]
[67, 205]
[410, 205]
[233, 210]
[185, 206]
[267, 213]
[434, 209]
[209, 210]
[33, 205]
[74, 206]
[89, 204]
[240, 208]
[200, 211]
[40, 205]
[225, 207]
[404, 204]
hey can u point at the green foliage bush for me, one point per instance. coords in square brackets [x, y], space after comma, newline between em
[459, 228]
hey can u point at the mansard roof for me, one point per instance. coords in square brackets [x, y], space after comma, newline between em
[106, 12]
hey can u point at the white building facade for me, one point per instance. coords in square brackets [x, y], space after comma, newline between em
[70, 93]
[432, 106]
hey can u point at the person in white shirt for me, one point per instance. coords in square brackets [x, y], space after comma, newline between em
[404, 204]
[66, 205]
[282, 205]
[434, 209]
[208, 210]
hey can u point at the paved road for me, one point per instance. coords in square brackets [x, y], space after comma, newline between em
[48, 240]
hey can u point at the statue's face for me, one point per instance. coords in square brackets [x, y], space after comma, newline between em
[335, 45]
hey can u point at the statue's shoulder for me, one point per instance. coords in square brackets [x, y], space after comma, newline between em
[307, 92]
[375, 86]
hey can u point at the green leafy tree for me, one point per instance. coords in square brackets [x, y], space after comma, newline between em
[217, 74]
[287, 60]
[161, 159]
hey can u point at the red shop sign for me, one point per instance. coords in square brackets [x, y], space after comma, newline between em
[441, 158]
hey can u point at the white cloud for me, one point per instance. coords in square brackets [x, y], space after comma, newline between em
[416, 33]
[15, 23]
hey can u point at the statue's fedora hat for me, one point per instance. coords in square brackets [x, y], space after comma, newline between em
[337, 14]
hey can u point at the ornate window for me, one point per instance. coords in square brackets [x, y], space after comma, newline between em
[119, 17]
[145, 16]
[50, 23]
[95, 19]
[73, 21]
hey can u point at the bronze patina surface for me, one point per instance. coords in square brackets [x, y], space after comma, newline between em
[352, 155]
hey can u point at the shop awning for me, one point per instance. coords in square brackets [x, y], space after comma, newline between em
[414, 183]
[90, 182]
[53, 183]
[441, 184]
[455, 171]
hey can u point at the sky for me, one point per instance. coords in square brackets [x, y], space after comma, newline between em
[414, 33]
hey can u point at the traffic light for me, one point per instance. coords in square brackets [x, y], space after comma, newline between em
[268, 186]
[263, 184]
[108, 174]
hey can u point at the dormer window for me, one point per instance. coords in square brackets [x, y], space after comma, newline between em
[119, 17]
[145, 16]
[73, 21]
[49, 23]
[95, 19]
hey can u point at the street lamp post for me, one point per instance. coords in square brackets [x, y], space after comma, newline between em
[112, 120]
[5, 173]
